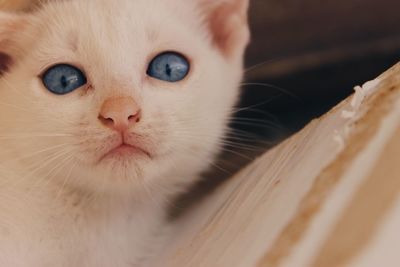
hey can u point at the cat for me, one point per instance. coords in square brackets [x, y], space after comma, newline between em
[108, 110]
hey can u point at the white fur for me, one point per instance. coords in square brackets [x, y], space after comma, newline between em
[58, 205]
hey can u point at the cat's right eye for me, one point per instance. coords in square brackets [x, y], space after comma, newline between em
[63, 79]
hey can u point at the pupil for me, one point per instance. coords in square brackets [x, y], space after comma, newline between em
[64, 81]
[168, 70]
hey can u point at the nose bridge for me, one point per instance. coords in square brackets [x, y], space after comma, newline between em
[120, 105]
[116, 85]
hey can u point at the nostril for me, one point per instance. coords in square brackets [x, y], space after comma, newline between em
[135, 118]
[106, 121]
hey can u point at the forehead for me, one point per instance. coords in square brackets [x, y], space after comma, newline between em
[95, 29]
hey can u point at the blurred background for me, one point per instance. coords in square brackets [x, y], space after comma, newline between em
[305, 57]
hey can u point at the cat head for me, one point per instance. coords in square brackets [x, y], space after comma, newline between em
[114, 95]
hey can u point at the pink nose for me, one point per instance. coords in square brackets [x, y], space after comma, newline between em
[120, 113]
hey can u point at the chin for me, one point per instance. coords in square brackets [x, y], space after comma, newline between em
[125, 163]
[118, 174]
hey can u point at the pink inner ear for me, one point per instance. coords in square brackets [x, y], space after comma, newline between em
[5, 62]
[221, 27]
[228, 23]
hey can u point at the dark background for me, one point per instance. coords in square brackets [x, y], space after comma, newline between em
[307, 55]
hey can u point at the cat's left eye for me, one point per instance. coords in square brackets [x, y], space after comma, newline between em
[169, 66]
[63, 79]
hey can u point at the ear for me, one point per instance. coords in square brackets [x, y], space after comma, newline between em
[10, 26]
[228, 23]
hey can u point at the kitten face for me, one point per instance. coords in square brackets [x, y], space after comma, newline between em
[122, 129]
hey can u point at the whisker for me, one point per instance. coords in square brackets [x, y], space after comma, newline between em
[257, 65]
[258, 124]
[59, 155]
[56, 169]
[37, 166]
[67, 177]
[36, 153]
[280, 89]
[22, 136]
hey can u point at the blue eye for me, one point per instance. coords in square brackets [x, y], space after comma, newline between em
[169, 67]
[63, 79]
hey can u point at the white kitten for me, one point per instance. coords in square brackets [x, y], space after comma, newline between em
[108, 109]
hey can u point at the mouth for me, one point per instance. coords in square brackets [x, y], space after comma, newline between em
[124, 151]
